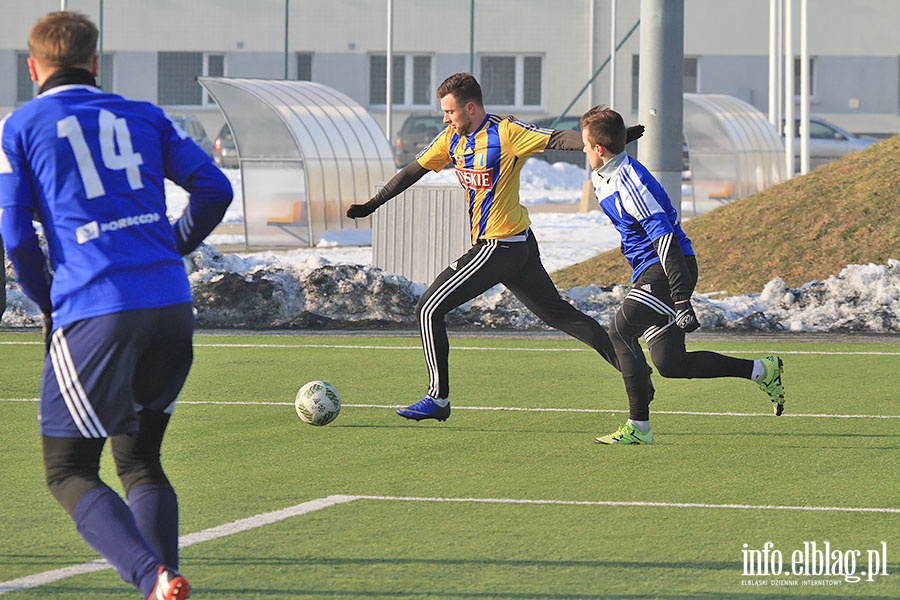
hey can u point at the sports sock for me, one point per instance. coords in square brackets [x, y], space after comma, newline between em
[104, 521]
[442, 402]
[758, 371]
[643, 426]
[155, 510]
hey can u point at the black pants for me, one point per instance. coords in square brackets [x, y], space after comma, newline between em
[648, 311]
[517, 265]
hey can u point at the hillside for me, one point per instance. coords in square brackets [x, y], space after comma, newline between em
[808, 228]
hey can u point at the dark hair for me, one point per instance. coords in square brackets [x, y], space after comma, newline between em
[63, 39]
[464, 87]
[605, 127]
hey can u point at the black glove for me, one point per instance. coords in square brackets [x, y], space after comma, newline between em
[633, 133]
[685, 317]
[46, 328]
[357, 211]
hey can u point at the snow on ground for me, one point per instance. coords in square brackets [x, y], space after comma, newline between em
[335, 286]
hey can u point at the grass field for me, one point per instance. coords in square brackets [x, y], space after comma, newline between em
[508, 499]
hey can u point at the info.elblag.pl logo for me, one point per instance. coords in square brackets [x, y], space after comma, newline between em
[819, 560]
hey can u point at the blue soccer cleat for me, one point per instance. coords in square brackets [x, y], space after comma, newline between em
[426, 408]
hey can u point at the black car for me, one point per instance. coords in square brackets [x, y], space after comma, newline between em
[194, 128]
[414, 134]
[224, 150]
[567, 156]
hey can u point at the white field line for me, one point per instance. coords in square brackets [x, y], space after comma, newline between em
[213, 533]
[655, 412]
[637, 504]
[261, 520]
[693, 413]
[484, 348]
[515, 349]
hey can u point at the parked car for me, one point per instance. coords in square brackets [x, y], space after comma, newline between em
[827, 142]
[195, 130]
[566, 156]
[224, 150]
[414, 134]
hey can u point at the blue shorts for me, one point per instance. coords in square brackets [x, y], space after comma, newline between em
[100, 372]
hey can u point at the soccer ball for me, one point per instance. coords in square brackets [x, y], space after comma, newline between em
[318, 403]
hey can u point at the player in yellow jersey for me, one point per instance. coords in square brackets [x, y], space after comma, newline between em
[488, 152]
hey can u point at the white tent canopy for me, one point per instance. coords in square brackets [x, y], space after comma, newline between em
[306, 151]
[734, 151]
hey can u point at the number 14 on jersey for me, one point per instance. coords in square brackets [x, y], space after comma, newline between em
[115, 149]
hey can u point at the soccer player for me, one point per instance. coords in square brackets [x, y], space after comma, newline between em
[488, 152]
[90, 167]
[658, 305]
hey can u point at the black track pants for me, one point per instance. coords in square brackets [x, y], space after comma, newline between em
[517, 265]
[648, 311]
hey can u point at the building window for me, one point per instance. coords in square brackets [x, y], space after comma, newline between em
[531, 81]
[25, 87]
[690, 81]
[304, 66]
[106, 73]
[177, 75]
[812, 77]
[498, 80]
[410, 83]
[512, 81]
[635, 81]
[421, 81]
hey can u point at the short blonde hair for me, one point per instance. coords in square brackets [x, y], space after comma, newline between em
[63, 39]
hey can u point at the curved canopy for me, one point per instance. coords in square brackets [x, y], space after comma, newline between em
[734, 151]
[306, 151]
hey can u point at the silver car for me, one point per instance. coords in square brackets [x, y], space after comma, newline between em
[192, 126]
[827, 142]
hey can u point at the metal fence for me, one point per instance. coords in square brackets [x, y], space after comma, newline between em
[420, 232]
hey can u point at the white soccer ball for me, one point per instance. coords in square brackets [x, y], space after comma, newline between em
[318, 403]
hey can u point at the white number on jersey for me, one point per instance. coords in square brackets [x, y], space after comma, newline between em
[115, 148]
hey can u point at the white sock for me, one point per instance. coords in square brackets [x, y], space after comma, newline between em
[758, 371]
[442, 402]
[643, 426]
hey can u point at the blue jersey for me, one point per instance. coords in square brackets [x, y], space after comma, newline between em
[639, 208]
[90, 166]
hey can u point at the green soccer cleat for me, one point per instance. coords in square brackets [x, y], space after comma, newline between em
[627, 434]
[771, 382]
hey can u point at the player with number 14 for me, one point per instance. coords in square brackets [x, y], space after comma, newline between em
[90, 167]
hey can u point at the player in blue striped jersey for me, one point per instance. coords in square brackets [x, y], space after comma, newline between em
[658, 306]
[90, 168]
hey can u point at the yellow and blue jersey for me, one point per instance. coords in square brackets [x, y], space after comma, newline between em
[488, 163]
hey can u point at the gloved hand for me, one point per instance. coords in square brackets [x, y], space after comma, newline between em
[685, 317]
[357, 211]
[46, 327]
[633, 133]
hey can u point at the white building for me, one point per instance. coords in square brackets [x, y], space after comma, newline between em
[533, 57]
